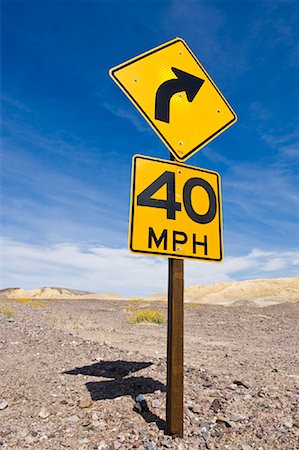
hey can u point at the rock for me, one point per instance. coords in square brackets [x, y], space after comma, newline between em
[150, 445]
[137, 407]
[217, 432]
[116, 445]
[44, 413]
[100, 424]
[140, 404]
[73, 418]
[156, 404]
[194, 420]
[29, 440]
[223, 420]
[283, 439]
[85, 403]
[246, 447]
[196, 409]
[206, 435]
[262, 392]
[237, 417]
[241, 383]
[121, 437]
[87, 425]
[102, 445]
[216, 405]
[3, 404]
[205, 426]
[288, 423]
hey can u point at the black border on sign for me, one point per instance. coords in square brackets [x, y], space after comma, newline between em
[113, 72]
[133, 185]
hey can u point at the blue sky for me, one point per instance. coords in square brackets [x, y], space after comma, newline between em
[69, 134]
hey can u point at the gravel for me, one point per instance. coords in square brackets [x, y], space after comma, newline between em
[59, 390]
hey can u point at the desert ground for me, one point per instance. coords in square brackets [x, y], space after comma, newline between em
[73, 363]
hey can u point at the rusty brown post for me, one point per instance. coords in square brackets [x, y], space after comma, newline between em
[175, 349]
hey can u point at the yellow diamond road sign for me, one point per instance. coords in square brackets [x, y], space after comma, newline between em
[175, 210]
[176, 96]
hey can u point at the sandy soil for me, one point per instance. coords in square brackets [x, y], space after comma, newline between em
[71, 370]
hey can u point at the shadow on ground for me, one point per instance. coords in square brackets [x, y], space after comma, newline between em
[120, 385]
[110, 369]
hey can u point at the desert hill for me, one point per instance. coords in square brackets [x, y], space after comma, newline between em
[261, 292]
[57, 293]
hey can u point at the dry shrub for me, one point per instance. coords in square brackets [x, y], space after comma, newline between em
[7, 311]
[137, 300]
[147, 315]
[30, 302]
[193, 305]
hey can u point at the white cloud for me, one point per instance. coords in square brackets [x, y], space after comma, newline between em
[109, 269]
[136, 121]
[68, 200]
[263, 193]
[290, 151]
[280, 137]
[274, 264]
[260, 112]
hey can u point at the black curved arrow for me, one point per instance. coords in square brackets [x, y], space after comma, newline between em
[184, 82]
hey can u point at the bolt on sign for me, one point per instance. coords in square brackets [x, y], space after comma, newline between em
[176, 96]
[175, 210]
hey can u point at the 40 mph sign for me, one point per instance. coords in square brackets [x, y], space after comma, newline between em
[175, 210]
[177, 97]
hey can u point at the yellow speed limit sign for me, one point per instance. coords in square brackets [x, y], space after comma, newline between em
[175, 210]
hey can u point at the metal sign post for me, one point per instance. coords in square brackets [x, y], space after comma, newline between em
[175, 349]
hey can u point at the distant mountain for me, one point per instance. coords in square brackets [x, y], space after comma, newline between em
[56, 293]
[261, 292]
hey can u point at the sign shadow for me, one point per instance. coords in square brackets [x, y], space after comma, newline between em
[120, 384]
